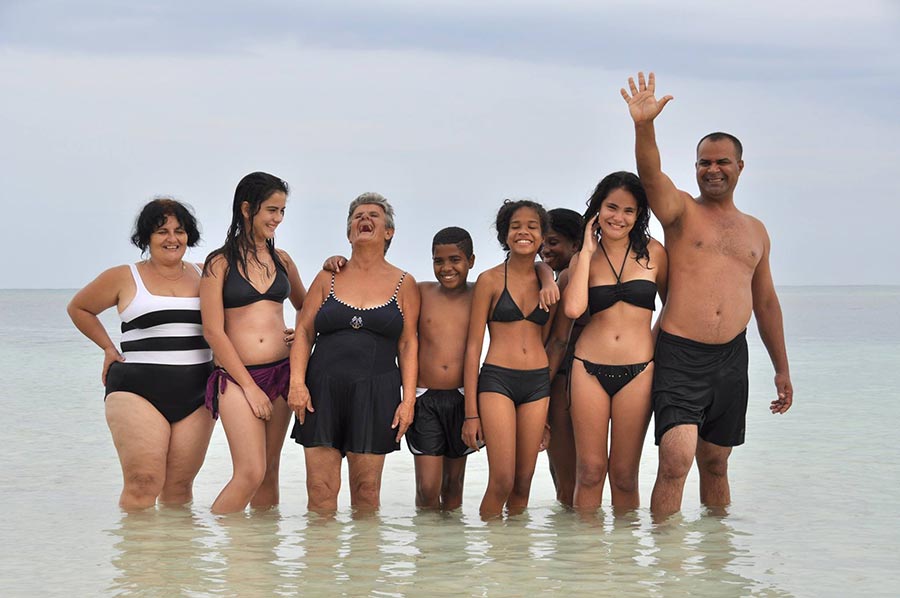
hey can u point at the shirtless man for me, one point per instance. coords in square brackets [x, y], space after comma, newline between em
[718, 274]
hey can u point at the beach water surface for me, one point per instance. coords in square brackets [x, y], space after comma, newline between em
[814, 509]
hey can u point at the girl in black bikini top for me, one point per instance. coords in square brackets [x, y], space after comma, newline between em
[612, 373]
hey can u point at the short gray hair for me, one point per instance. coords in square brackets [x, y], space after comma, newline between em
[370, 197]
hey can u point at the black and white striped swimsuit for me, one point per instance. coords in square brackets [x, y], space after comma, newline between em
[167, 360]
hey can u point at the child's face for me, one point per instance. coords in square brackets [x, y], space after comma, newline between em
[451, 265]
[525, 235]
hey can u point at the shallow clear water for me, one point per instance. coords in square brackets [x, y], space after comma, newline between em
[813, 514]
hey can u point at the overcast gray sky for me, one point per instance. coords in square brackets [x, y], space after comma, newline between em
[444, 107]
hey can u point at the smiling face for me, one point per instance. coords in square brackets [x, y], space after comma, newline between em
[451, 266]
[168, 242]
[618, 213]
[558, 251]
[718, 168]
[367, 223]
[269, 216]
[524, 234]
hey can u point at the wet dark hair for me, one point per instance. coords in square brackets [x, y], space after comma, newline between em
[639, 235]
[509, 207]
[454, 235]
[567, 223]
[255, 188]
[719, 136]
[154, 215]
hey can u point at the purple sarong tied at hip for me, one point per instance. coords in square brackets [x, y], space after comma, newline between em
[273, 378]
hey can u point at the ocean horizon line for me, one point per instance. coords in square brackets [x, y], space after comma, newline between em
[779, 286]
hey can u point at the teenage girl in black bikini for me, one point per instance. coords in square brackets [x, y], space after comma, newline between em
[616, 277]
[245, 283]
[507, 402]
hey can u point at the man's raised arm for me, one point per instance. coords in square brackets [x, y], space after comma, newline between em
[666, 201]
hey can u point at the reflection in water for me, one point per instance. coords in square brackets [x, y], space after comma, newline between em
[163, 553]
[547, 549]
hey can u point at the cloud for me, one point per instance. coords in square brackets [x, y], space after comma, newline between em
[769, 39]
[444, 109]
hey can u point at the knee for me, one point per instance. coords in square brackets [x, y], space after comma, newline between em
[624, 480]
[452, 485]
[522, 486]
[591, 473]
[713, 466]
[366, 492]
[320, 489]
[144, 484]
[502, 484]
[674, 465]
[428, 494]
[179, 487]
[251, 476]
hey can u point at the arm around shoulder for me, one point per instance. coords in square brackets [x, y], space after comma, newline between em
[298, 291]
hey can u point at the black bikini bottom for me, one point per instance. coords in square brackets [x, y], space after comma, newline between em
[613, 378]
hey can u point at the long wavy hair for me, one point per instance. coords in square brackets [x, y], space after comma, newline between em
[639, 235]
[240, 246]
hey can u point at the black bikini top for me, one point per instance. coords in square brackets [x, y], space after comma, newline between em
[638, 292]
[238, 292]
[506, 310]
[384, 320]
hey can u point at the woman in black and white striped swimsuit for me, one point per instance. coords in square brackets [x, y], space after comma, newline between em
[155, 386]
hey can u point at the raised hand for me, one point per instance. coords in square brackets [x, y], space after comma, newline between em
[642, 102]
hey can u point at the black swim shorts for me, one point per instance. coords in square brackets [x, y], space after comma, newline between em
[437, 428]
[706, 385]
[520, 386]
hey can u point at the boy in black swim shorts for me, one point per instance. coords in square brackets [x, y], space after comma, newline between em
[435, 437]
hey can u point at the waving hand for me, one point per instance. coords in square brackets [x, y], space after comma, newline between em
[642, 102]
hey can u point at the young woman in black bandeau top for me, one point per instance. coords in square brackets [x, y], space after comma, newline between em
[506, 404]
[245, 283]
[616, 277]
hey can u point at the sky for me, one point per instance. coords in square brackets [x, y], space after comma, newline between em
[446, 108]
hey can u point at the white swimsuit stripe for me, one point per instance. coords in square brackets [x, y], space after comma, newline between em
[162, 330]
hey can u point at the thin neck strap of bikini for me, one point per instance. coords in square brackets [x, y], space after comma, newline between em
[505, 270]
[608, 261]
[331, 294]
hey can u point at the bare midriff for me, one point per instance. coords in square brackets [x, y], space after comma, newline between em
[257, 332]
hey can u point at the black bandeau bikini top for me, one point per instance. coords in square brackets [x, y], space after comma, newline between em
[638, 292]
[506, 310]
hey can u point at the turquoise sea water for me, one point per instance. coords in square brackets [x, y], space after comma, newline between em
[814, 511]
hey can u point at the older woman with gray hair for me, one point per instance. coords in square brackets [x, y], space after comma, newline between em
[347, 394]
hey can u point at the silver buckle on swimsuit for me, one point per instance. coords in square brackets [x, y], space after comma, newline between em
[356, 322]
